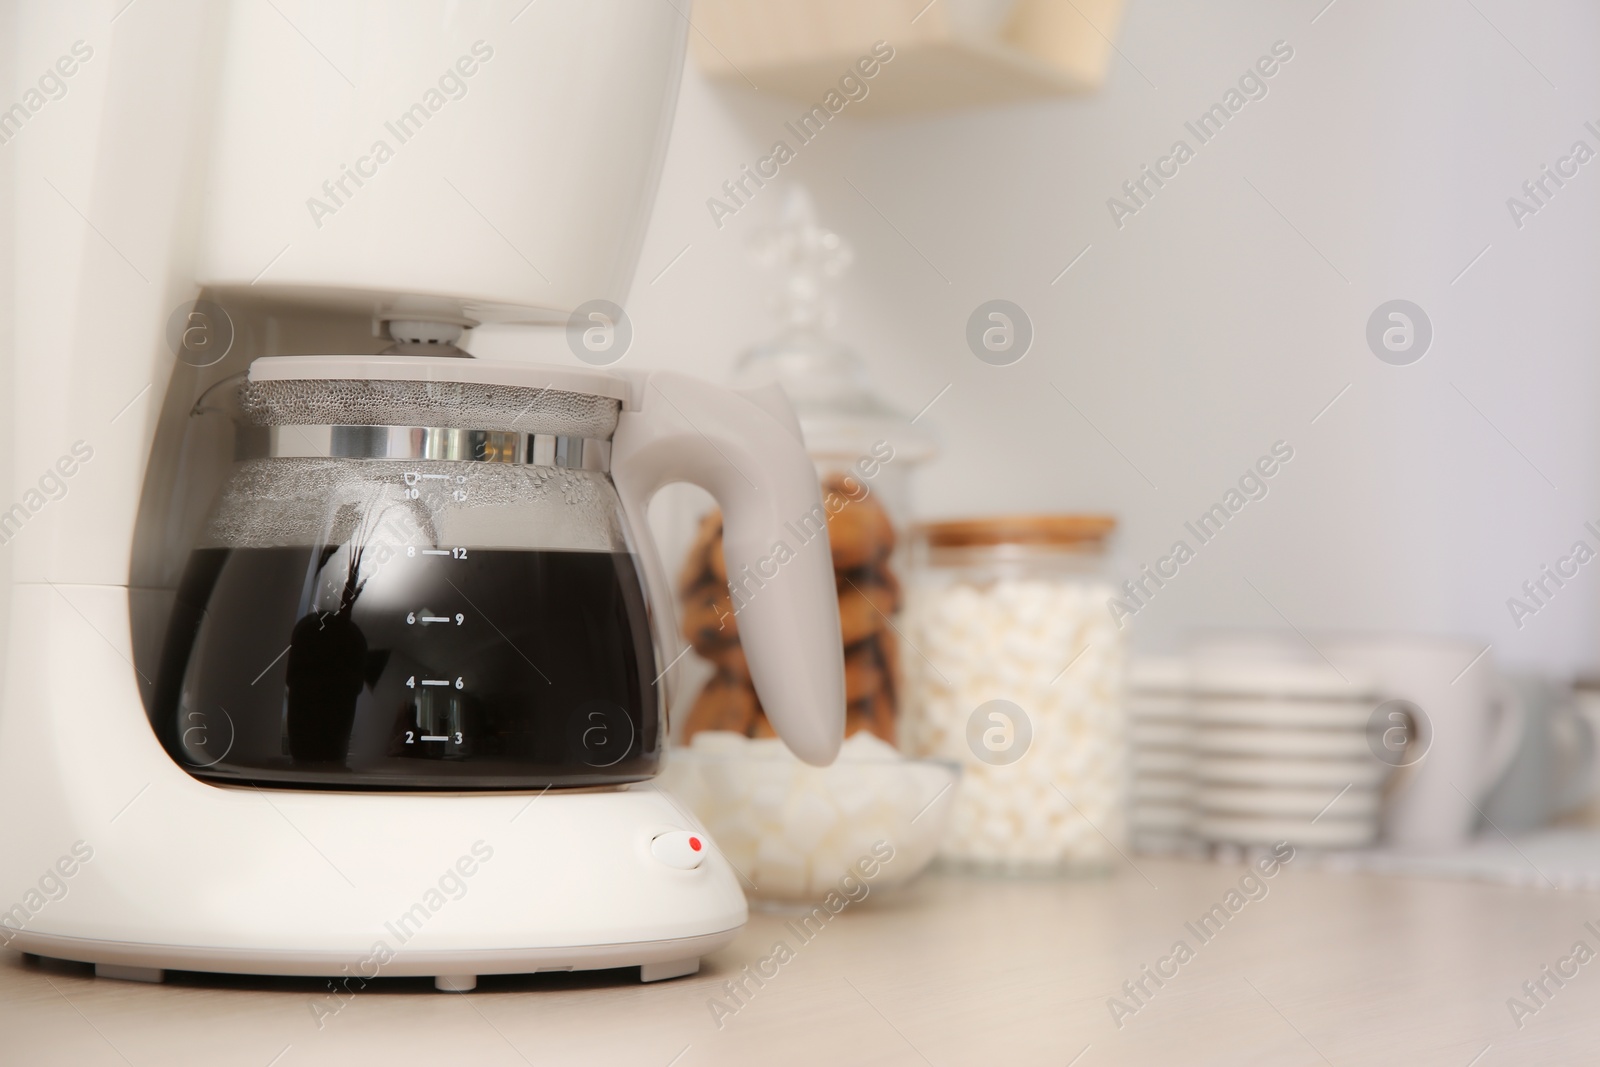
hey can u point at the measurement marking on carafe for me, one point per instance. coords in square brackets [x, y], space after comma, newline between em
[454, 553]
[412, 618]
[459, 683]
[412, 478]
[434, 737]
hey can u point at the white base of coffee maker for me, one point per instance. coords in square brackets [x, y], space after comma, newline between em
[451, 971]
[117, 857]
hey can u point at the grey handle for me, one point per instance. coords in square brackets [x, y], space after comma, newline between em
[774, 538]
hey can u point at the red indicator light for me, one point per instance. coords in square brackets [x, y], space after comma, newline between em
[694, 843]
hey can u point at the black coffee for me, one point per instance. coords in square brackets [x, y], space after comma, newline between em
[449, 668]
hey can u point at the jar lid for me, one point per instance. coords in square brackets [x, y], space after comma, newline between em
[1019, 530]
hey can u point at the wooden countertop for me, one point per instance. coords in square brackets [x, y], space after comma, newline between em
[1323, 969]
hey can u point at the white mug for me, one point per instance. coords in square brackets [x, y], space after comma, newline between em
[1474, 724]
[1555, 767]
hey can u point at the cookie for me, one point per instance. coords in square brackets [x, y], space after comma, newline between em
[724, 704]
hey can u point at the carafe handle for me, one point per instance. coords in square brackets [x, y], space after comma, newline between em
[774, 538]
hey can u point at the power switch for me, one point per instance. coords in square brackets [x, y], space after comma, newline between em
[683, 849]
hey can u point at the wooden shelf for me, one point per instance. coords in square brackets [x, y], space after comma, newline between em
[957, 53]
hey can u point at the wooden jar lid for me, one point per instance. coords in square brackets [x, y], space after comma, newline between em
[1062, 530]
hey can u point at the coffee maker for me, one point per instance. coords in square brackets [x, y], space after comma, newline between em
[247, 362]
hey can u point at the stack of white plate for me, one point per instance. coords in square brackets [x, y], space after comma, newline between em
[1161, 714]
[1281, 751]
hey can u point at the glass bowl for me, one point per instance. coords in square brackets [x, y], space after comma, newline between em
[796, 832]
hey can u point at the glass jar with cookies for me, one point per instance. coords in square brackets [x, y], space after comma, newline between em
[864, 450]
[862, 538]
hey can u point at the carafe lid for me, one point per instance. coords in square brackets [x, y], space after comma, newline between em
[408, 368]
[442, 392]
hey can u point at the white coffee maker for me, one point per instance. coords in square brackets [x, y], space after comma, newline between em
[296, 192]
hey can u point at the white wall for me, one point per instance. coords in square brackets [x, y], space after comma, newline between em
[1206, 328]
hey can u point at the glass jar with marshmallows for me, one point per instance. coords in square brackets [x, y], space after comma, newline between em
[1014, 667]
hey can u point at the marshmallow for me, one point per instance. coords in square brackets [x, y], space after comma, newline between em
[795, 830]
[1012, 638]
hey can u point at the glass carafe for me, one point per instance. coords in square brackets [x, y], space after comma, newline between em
[423, 584]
